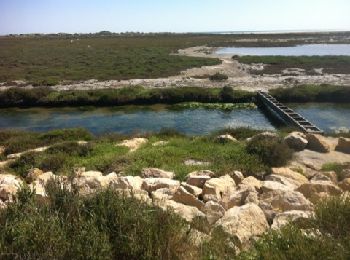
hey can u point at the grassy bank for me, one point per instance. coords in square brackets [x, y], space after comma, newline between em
[17, 97]
[276, 64]
[313, 93]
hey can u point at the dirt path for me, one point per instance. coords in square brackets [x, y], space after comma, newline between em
[198, 77]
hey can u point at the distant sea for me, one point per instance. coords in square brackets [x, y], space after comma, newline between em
[273, 32]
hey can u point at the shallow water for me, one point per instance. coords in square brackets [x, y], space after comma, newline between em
[131, 119]
[299, 50]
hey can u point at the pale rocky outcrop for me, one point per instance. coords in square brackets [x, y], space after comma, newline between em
[152, 184]
[251, 182]
[343, 145]
[186, 212]
[183, 196]
[9, 185]
[213, 211]
[199, 178]
[284, 200]
[316, 190]
[345, 184]
[192, 189]
[325, 176]
[296, 177]
[296, 141]
[284, 218]
[33, 174]
[244, 223]
[156, 173]
[273, 185]
[161, 195]
[217, 189]
[133, 144]
[241, 197]
[317, 143]
[293, 185]
[127, 183]
[237, 176]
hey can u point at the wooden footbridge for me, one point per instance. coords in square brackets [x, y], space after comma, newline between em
[284, 114]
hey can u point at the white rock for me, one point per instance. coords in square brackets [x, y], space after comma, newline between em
[317, 190]
[133, 144]
[284, 218]
[244, 223]
[317, 143]
[213, 211]
[152, 184]
[127, 183]
[217, 189]
[296, 141]
[156, 173]
[184, 197]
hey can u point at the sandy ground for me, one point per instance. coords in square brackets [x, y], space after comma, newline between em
[237, 73]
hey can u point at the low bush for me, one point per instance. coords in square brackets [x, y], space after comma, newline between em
[271, 150]
[227, 94]
[218, 77]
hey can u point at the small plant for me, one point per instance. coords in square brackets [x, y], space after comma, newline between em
[218, 77]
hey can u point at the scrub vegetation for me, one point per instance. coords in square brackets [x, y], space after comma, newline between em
[276, 64]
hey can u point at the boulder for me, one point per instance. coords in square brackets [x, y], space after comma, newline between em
[199, 178]
[241, 197]
[192, 189]
[184, 197]
[244, 223]
[9, 179]
[284, 200]
[296, 141]
[152, 184]
[237, 176]
[127, 183]
[217, 189]
[343, 145]
[156, 173]
[140, 195]
[292, 184]
[213, 211]
[92, 174]
[316, 190]
[161, 195]
[317, 143]
[186, 212]
[284, 218]
[325, 176]
[133, 144]
[296, 177]
[273, 185]
[251, 182]
[225, 138]
[345, 184]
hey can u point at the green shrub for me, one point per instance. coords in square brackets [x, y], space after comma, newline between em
[271, 150]
[218, 77]
[227, 94]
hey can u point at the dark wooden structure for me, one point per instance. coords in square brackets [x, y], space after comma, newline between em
[284, 114]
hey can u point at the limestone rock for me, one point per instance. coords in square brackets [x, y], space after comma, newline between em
[152, 184]
[284, 200]
[133, 144]
[317, 143]
[156, 173]
[345, 184]
[127, 183]
[317, 190]
[343, 145]
[325, 176]
[273, 185]
[251, 182]
[184, 197]
[217, 189]
[292, 184]
[91, 174]
[241, 197]
[162, 195]
[296, 141]
[284, 218]
[186, 212]
[237, 176]
[244, 223]
[33, 174]
[192, 189]
[214, 211]
[288, 173]
[199, 178]
[9, 179]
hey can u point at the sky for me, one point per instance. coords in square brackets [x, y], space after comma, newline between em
[85, 16]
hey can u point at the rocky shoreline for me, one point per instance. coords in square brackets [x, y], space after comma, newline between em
[244, 207]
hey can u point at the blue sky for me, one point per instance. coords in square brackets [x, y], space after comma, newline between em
[52, 16]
